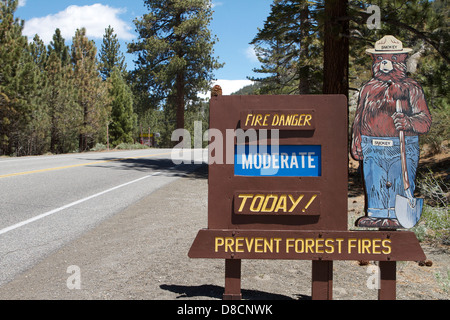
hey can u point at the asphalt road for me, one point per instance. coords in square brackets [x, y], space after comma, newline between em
[48, 201]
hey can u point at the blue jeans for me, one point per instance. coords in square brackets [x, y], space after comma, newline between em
[383, 172]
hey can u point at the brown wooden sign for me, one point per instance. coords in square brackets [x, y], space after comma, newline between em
[277, 189]
[305, 245]
[311, 162]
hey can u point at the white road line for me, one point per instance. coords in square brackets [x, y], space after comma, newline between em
[38, 217]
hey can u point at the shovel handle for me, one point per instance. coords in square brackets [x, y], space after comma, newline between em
[398, 107]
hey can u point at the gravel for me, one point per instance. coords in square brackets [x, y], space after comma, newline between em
[141, 254]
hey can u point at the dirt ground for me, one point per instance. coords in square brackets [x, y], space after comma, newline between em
[141, 254]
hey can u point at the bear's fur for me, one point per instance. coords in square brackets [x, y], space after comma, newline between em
[376, 114]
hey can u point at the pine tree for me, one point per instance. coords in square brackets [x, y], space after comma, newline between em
[91, 95]
[58, 46]
[64, 113]
[289, 49]
[123, 119]
[38, 52]
[17, 80]
[38, 127]
[282, 78]
[174, 52]
[413, 21]
[110, 54]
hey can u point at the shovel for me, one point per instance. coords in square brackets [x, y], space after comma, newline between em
[407, 209]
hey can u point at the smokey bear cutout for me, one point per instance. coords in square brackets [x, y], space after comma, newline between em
[391, 114]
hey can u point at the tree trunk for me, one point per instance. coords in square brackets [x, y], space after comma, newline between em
[179, 99]
[83, 136]
[336, 48]
[180, 103]
[53, 134]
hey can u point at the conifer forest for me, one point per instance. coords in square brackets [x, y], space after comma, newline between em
[61, 98]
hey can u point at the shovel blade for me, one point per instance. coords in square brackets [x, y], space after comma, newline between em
[408, 211]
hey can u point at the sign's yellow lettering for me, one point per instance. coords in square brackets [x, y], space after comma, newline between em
[386, 246]
[294, 202]
[314, 245]
[276, 203]
[288, 119]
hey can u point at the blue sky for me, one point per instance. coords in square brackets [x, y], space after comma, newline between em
[235, 23]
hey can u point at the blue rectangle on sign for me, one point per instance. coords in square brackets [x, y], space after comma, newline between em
[278, 161]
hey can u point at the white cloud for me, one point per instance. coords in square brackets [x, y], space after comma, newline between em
[228, 86]
[95, 18]
[250, 53]
[216, 4]
[22, 3]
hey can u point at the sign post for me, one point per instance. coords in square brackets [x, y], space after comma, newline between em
[277, 189]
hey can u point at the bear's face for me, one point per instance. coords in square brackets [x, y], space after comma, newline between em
[389, 66]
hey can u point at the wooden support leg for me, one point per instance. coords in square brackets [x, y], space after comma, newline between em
[232, 280]
[388, 280]
[322, 280]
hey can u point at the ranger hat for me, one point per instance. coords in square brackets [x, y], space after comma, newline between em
[388, 45]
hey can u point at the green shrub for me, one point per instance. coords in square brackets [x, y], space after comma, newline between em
[443, 280]
[99, 147]
[434, 224]
[131, 146]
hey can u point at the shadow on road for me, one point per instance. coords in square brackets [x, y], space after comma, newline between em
[213, 291]
[165, 166]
